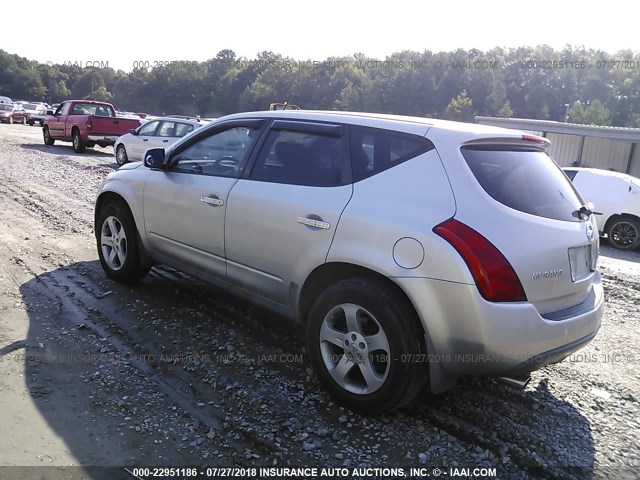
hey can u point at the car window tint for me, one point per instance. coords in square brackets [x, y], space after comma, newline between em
[302, 158]
[374, 150]
[167, 129]
[525, 180]
[222, 154]
[571, 174]
[182, 129]
[148, 129]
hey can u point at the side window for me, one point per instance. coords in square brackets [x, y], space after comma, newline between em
[148, 129]
[302, 158]
[167, 129]
[182, 129]
[222, 154]
[374, 150]
[571, 174]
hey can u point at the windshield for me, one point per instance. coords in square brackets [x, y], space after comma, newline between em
[5, 107]
[31, 106]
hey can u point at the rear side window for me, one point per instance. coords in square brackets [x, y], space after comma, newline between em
[182, 129]
[374, 150]
[528, 181]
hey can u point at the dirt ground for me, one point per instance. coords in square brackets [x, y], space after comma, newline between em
[173, 372]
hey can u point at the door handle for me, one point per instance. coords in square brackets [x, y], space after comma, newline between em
[145, 139]
[215, 201]
[312, 222]
[165, 141]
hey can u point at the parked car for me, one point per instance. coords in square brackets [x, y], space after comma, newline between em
[37, 112]
[37, 118]
[616, 198]
[85, 123]
[5, 100]
[414, 250]
[161, 132]
[12, 113]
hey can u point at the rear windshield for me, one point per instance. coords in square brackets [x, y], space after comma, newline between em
[92, 109]
[528, 181]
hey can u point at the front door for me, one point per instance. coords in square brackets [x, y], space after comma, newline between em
[185, 206]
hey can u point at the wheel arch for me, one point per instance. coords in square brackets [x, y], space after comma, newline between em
[327, 273]
[108, 196]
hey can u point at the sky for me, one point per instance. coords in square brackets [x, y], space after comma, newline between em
[122, 33]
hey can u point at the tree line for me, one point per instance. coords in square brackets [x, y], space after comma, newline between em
[574, 84]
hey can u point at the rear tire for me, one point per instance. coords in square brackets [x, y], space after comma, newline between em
[367, 346]
[624, 233]
[78, 144]
[121, 155]
[117, 242]
[47, 137]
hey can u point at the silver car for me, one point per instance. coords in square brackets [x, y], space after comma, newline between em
[415, 251]
[160, 132]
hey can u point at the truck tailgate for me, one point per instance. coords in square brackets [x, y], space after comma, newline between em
[111, 125]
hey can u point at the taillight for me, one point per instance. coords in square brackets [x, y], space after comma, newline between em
[534, 138]
[493, 274]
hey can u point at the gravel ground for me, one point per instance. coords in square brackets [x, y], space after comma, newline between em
[175, 372]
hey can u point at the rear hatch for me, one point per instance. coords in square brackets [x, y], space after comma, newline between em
[512, 193]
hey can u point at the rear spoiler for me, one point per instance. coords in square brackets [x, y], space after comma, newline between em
[525, 140]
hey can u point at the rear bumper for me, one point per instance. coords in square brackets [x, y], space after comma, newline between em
[104, 139]
[469, 336]
[547, 358]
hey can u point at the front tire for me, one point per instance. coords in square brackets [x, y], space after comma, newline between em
[10, 120]
[121, 155]
[117, 242]
[366, 345]
[624, 233]
[78, 144]
[48, 140]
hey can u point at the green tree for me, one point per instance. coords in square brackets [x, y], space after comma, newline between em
[505, 111]
[460, 108]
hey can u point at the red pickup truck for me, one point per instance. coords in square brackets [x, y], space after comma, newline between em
[85, 123]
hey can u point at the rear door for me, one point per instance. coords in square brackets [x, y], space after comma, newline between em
[521, 201]
[281, 218]
[165, 135]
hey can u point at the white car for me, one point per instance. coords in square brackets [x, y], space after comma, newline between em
[616, 198]
[161, 132]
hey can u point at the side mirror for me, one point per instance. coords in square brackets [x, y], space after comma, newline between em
[154, 158]
[133, 131]
[49, 112]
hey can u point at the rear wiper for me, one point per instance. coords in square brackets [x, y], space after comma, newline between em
[582, 213]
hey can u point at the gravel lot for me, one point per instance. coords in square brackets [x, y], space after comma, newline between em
[174, 372]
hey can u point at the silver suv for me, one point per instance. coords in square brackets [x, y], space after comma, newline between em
[414, 250]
